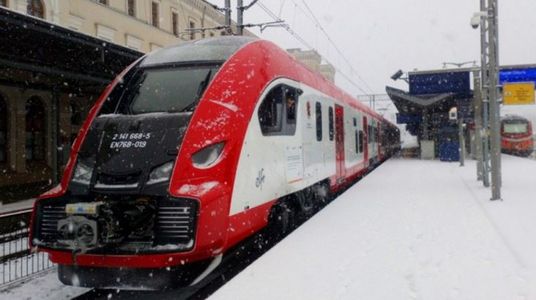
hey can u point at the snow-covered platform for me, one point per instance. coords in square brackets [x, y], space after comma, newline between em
[411, 229]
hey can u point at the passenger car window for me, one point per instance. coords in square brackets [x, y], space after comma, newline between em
[318, 110]
[331, 131]
[278, 111]
[361, 140]
[356, 141]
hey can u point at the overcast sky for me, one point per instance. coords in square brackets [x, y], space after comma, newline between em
[378, 37]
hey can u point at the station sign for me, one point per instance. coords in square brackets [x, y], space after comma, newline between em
[518, 93]
[457, 82]
[517, 75]
[406, 118]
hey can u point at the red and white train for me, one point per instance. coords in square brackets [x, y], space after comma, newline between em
[516, 136]
[194, 148]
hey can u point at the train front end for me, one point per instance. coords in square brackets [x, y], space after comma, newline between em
[516, 136]
[114, 220]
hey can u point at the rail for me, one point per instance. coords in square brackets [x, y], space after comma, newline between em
[17, 261]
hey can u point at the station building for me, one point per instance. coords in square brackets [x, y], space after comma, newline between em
[313, 60]
[57, 56]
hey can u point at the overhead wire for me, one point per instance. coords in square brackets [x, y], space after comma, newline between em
[319, 25]
[306, 44]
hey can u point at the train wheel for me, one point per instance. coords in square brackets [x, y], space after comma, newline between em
[322, 194]
[282, 221]
[307, 201]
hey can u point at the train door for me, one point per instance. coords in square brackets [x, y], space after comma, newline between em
[379, 141]
[339, 142]
[365, 140]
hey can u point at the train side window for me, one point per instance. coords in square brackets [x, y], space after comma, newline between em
[318, 110]
[361, 140]
[331, 129]
[271, 112]
[291, 102]
[356, 141]
[278, 111]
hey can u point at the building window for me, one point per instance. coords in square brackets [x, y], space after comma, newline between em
[35, 8]
[3, 130]
[131, 8]
[175, 23]
[212, 34]
[134, 42]
[106, 33]
[3, 3]
[318, 110]
[192, 32]
[35, 129]
[105, 2]
[155, 17]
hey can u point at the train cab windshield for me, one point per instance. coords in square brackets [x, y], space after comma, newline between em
[515, 127]
[142, 121]
[170, 89]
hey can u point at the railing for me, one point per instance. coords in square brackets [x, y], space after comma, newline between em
[16, 259]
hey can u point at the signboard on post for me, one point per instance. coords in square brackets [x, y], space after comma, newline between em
[440, 82]
[518, 93]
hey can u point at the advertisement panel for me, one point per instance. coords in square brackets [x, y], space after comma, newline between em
[440, 83]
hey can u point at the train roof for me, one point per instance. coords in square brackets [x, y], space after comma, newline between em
[220, 49]
[513, 118]
[217, 49]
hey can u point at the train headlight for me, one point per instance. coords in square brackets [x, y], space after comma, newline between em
[161, 173]
[82, 173]
[207, 156]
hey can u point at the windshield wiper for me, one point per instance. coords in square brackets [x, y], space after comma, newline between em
[200, 89]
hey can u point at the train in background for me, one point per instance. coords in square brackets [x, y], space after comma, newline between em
[516, 136]
[193, 149]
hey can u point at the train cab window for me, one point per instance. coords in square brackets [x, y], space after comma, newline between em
[278, 111]
[361, 140]
[318, 111]
[331, 129]
[164, 89]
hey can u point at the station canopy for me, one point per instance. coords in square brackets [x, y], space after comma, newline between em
[433, 94]
[37, 54]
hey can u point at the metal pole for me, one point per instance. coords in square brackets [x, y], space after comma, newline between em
[478, 124]
[240, 17]
[485, 82]
[461, 142]
[228, 16]
[494, 103]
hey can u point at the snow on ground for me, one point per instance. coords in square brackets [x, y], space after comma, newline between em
[411, 229]
[44, 286]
